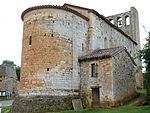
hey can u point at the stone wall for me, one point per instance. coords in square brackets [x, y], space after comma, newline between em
[42, 104]
[50, 63]
[101, 33]
[123, 78]
[103, 80]
[104, 36]
[132, 29]
[9, 84]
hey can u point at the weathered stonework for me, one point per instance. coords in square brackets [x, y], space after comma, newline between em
[8, 80]
[103, 79]
[48, 65]
[124, 82]
[55, 38]
[115, 78]
[42, 104]
[10, 85]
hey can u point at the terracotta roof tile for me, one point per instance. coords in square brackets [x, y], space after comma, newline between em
[102, 53]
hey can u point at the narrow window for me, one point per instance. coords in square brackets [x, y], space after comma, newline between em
[30, 40]
[119, 21]
[47, 69]
[82, 47]
[105, 43]
[127, 20]
[94, 70]
[52, 35]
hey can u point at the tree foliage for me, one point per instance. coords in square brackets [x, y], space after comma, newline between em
[145, 55]
[7, 63]
[18, 69]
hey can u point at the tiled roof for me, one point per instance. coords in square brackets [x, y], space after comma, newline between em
[102, 53]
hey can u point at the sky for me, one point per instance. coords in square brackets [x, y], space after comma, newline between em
[11, 25]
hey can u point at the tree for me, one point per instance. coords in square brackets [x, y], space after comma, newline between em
[145, 55]
[7, 63]
[18, 72]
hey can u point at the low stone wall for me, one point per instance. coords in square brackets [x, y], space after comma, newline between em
[42, 104]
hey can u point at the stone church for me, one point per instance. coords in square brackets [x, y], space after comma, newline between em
[74, 52]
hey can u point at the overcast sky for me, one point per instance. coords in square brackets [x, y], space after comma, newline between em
[11, 25]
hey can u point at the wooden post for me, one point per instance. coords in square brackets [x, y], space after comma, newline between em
[0, 107]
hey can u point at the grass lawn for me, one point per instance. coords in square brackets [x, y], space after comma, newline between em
[124, 109]
[130, 108]
[6, 109]
[143, 91]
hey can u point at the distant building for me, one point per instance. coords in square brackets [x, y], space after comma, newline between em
[8, 81]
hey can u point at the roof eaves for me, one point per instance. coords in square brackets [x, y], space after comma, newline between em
[120, 50]
[54, 7]
[80, 59]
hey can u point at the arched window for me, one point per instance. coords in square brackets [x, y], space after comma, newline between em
[127, 20]
[119, 21]
[111, 21]
[105, 43]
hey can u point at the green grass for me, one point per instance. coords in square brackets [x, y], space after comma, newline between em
[6, 109]
[130, 108]
[143, 91]
[124, 109]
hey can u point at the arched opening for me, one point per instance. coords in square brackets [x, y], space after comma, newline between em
[127, 20]
[111, 21]
[105, 43]
[119, 22]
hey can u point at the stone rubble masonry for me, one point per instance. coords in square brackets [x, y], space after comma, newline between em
[103, 79]
[116, 79]
[124, 82]
[9, 84]
[8, 79]
[42, 104]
